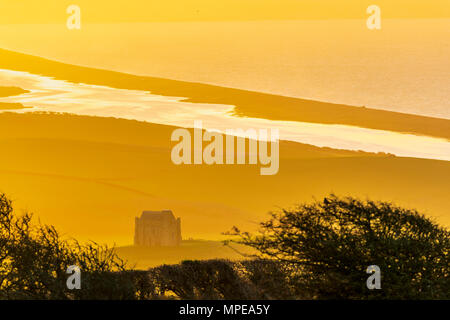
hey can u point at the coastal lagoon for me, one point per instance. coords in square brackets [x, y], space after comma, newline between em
[50, 95]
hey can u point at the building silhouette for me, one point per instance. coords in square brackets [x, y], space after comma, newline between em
[157, 228]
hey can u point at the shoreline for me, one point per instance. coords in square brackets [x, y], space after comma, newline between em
[247, 103]
[144, 106]
[9, 92]
[5, 106]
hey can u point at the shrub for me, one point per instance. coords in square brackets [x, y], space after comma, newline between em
[315, 251]
[221, 279]
[34, 260]
[331, 243]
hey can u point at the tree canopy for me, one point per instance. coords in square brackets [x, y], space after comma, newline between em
[332, 242]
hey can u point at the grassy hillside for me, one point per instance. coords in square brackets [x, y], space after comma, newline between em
[91, 176]
[147, 257]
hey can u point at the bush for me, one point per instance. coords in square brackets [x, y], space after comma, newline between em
[34, 260]
[316, 251]
[331, 243]
[221, 279]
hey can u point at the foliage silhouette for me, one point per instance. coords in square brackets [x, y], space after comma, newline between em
[315, 251]
[34, 260]
[331, 243]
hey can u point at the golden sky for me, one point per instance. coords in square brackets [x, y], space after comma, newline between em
[54, 11]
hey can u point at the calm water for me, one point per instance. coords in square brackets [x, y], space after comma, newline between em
[404, 67]
[60, 96]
